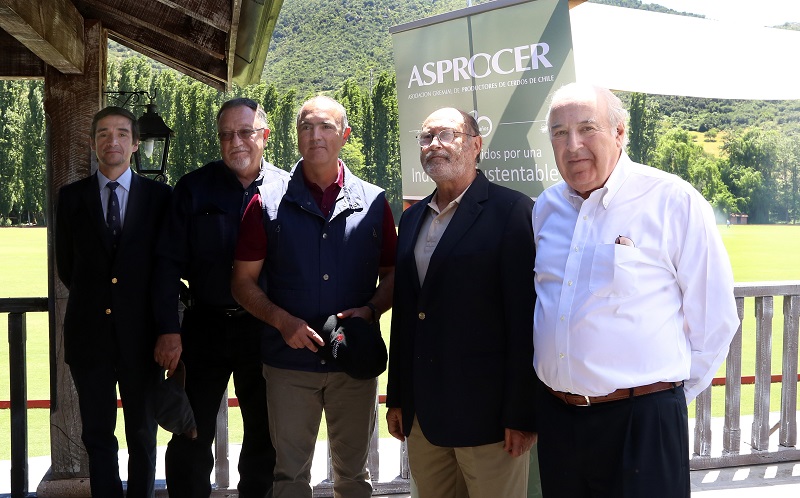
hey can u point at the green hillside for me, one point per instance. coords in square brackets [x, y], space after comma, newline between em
[318, 44]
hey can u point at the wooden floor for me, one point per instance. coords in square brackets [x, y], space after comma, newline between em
[774, 480]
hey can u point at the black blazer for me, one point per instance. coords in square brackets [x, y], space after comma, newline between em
[108, 310]
[461, 351]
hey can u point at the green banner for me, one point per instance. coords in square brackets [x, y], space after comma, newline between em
[500, 61]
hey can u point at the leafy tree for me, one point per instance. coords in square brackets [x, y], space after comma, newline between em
[136, 73]
[284, 144]
[642, 132]
[353, 156]
[355, 101]
[676, 152]
[752, 156]
[705, 176]
[750, 184]
[164, 87]
[32, 171]
[383, 152]
[11, 123]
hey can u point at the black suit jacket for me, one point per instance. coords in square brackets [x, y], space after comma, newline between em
[108, 310]
[461, 351]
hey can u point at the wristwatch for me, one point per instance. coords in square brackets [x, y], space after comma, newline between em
[375, 315]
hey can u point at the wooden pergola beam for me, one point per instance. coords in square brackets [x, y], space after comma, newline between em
[17, 61]
[234, 33]
[199, 66]
[218, 16]
[52, 30]
[162, 21]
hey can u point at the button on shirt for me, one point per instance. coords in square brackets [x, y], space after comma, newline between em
[612, 316]
[122, 192]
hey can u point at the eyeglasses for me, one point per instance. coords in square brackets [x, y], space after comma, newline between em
[246, 134]
[445, 137]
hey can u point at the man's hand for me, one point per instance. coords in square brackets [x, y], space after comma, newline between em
[519, 442]
[167, 352]
[363, 312]
[297, 335]
[394, 421]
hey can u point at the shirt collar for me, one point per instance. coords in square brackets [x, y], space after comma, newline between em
[455, 202]
[124, 180]
[607, 191]
[339, 177]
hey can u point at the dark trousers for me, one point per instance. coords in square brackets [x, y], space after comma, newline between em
[632, 448]
[97, 401]
[215, 347]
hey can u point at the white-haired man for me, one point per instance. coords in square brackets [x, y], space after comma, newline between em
[634, 310]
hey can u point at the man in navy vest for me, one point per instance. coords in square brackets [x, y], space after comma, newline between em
[310, 247]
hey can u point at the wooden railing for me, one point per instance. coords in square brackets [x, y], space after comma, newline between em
[707, 451]
[17, 309]
[724, 451]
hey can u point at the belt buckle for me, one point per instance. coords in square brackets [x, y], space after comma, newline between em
[586, 398]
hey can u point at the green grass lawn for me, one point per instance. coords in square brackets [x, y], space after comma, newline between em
[757, 252]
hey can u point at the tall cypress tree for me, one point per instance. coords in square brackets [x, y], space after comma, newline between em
[32, 171]
[385, 153]
[644, 118]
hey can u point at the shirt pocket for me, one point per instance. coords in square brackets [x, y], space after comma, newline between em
[615, 271]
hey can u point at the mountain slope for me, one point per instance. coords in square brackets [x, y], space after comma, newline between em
[318, 44]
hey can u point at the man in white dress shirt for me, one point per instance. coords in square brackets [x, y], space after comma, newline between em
[634, 311]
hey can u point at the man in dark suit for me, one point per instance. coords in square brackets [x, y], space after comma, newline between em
[106, 227]
[461, 378]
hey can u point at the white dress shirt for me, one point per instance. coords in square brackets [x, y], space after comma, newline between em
[122, 191]
[611, 316]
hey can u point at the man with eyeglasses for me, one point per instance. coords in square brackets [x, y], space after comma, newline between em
[318, 244]
[217, 338]
[460, 372]
[634, 313]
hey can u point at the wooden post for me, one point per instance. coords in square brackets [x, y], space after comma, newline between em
[764, 313]
[70, 102]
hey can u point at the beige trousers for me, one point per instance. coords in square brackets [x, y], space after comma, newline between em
[488, 471]
[296, 400]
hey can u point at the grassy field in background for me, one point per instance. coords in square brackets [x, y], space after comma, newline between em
[757, 252]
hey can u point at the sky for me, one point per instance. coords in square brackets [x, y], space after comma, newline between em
[751, 12]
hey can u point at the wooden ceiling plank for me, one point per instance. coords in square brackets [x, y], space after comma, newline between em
[212, 12]
[52, 30]
[164, 22]
[202, 68]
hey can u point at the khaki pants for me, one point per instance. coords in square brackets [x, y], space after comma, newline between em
[488, 471]
[296, 400]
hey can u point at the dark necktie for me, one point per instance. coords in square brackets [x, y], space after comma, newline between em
[112, 214]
